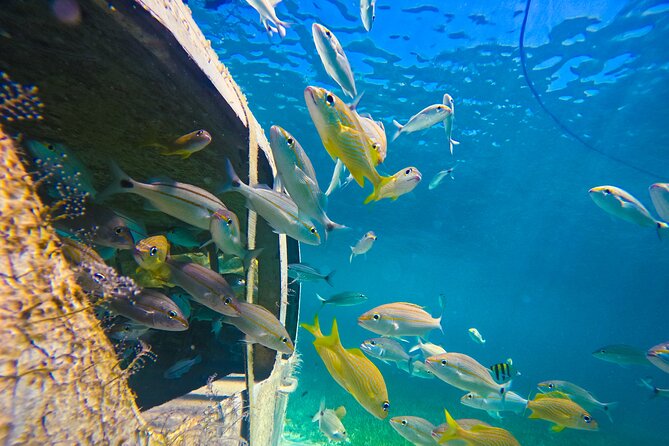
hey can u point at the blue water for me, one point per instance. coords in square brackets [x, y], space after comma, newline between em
[514, 242]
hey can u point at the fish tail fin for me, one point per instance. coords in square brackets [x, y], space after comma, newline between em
[416, 347]
[121, 182]
[250, 256]
[314, 329]
[608, 407]
[321, 409]
[399, 129]
[374, 196]
[234, 182]
[331, 225]
[336, 174]
[356, 101]
[662, 230]
[328, 278]
[648, 384]
[319, 297]
[350, 259]
[442, 305]
[410, 365]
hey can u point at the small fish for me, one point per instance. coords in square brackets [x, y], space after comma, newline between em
[476, 336]
[400, 319]
[344, 299]
[100, 226]
[279, 210]
[334, 59]
[363, 245]
[182, 236]
[387, 349]
[415, 430]
[185, 202]
[329, 422]
[622, 354]
[226, 235]
[127, 331]
[655, 391]
[465, 373]
[150, 254]
[577, 394]
[557, 408]
[427, 349]
[439, 177]
[58, 157]
[301, 272]
[448, 122]
[493, 404]
[368, 13]
[418, 369]
[503, 372]
[186, 145]
[659, 356]
[352, 370]
[205, 286]
[478, 434]
[262, 327]
[181, 367]
[151, 308]
[301, 184]
[659, 194]
[424, 119]
[268, 16]
[622, 205]
[397, 185]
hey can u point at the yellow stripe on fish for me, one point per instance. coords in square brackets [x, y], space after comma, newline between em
[559, 409]
[352, 370]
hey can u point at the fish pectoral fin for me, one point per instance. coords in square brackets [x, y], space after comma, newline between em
[557, 428]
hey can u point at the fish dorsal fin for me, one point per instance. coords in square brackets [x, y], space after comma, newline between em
[554, 394]
[411, 305]
[480, 428]
[340, 412]
[262, 186]
[275, 2]
[356, 352]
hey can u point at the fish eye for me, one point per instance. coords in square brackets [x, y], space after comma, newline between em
[172, 314]
[227, 301]
[51, 147]
[199, 133]
[607, 191]
[329, 99]
[284, 339]
[376, 316]
[469, 396]
[551, 385]
[153, 251]
[290, 141]
[372, 342]
[407, 172]
[404, 422]
[443, 362]
[312, 230]
[386, 406]
[328, 33]
[587, 419]
[229, 221]
[118, 229]
[99, 277]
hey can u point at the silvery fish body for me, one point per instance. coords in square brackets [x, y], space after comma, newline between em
[181, 367]
[415, 430]
[186, 202]
[151, 308]
[205, 286]
[465, 373]
[367, 13]
[492, 403]
[226, 234]
[427, 349]
[268, 16]
[622, 355]
[448, 122]
[363, 245]
[300, 272]
[262, 327]
[345, 299]
[334, 59]
[659, 194]
[399, 319]
[329, 422]
[279, 210]
[385, 349]
[424, 119]
[418, 369]
[577, 394]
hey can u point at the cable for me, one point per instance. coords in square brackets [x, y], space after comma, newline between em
[558, 122]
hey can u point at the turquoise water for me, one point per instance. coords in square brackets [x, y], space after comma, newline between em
[514, 242]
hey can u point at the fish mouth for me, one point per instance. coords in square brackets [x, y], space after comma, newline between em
[310, 94]
[363, 318]
[416, 178]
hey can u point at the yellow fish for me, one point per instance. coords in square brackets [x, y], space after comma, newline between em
[352, 370]
[186, 145]
[559, 409]
[150, 254]
[473, 435]
[344, 138]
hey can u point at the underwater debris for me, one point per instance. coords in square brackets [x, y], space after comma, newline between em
[18, 102]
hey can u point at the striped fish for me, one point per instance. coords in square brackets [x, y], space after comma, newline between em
[205, 286]
[278, 209]
[476, 434]
[465, 373]
[503, 372]
[261, 327]
[400, 319]
[186, 202]
[415, 430]
[559, 409]
[351, 369]
[344, 137]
